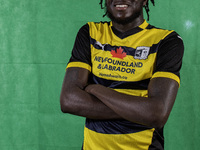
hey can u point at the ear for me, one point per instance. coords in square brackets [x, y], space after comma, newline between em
[145, 2]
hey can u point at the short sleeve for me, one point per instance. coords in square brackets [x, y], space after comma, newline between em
[169, 57]
[81, 54]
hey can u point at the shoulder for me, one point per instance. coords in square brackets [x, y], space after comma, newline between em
[101, 23]
[90, 26]
[98, 25]
[167, 37]
[173, 40]
[84, 28]
[169, 33]
[163, 32]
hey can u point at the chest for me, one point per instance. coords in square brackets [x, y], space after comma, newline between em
[130, 59]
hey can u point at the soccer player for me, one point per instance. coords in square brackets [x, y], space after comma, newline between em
[123, 77]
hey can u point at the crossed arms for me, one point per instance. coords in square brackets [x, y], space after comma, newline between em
[99, 102]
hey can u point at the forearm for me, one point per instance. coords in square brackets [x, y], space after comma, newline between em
[75, 100]
[151, 111]
[129, 107]
[78, 102]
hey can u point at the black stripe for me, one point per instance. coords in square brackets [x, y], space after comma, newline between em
[157, 140]
[114, 126]
[123, 35]
[139, 85]
[128, 50]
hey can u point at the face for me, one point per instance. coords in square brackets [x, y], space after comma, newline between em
[124, 11]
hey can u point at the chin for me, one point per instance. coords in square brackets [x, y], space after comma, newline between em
[123, 21]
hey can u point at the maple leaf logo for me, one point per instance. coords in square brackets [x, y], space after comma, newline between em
[119, 54]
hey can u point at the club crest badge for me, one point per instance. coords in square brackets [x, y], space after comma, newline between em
[142, 52]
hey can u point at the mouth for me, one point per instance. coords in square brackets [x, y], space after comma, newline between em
[121, 6]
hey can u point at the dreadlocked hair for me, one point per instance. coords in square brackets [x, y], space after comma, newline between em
[146, 7]
[101, 3]
[102, 7]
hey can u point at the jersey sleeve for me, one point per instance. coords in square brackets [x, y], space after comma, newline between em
[81, 55]
[169, 57]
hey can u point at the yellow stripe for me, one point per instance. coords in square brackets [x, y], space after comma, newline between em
[141, 93]
[143, 25]
[167, 75]
[103, 34]
[132, 141]
[80, 65]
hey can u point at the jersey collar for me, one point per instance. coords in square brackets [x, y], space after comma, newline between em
[135, 30]
[143, 25]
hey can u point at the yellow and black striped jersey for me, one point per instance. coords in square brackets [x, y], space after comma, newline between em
[125, 62]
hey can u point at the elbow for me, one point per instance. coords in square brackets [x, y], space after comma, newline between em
[158, 123]
[159, 119]
[71, 101]
[66, 105]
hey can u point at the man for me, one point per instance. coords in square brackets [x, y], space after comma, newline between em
[123, 76]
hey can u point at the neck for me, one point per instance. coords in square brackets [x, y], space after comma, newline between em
[128, 26]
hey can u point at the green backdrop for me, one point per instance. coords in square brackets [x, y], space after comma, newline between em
[36, 38]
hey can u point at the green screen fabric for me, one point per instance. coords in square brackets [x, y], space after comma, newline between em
[36, 38]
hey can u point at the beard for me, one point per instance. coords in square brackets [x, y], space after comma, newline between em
[123, 21]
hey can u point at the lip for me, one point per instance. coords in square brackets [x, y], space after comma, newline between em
[121, 5]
